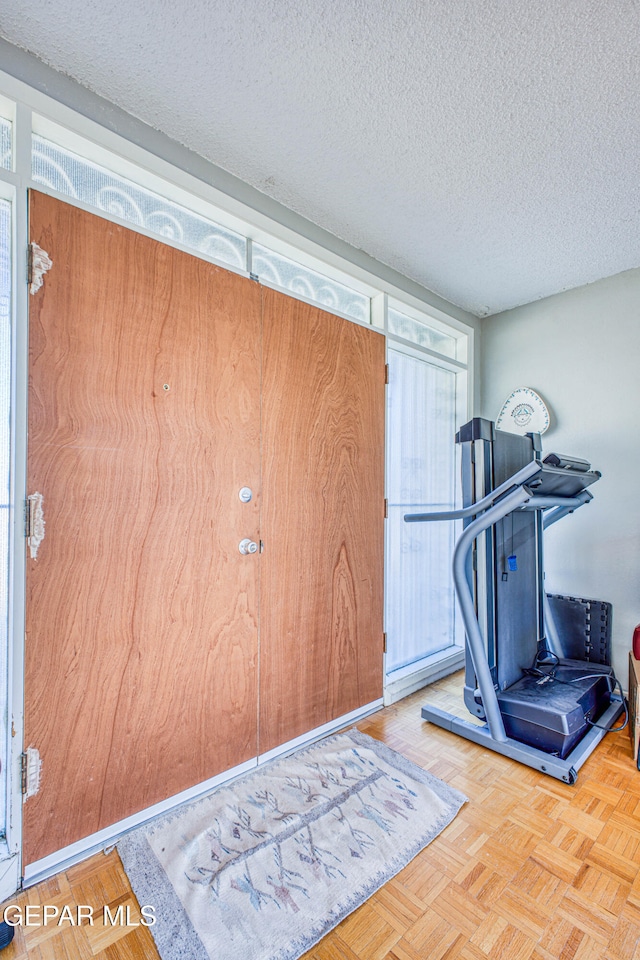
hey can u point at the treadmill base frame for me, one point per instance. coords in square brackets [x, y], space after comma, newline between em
[565, 770]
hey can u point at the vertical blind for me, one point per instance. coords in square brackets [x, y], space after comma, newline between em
[420, 611]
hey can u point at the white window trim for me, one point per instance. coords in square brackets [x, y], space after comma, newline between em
[414, 676]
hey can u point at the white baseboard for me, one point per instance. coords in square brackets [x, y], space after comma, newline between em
[401, 683]
[327, 728]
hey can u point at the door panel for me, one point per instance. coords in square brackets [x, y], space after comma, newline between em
[144, 423]
[323, 410]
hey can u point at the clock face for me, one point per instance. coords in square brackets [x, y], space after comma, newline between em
[523, 412]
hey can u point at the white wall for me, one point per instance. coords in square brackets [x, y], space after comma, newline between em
[581, 351]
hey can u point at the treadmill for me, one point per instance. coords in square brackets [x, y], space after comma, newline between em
[538, 707]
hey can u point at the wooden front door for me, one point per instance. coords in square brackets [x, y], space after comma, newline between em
[323, 412]
[144, 423]
[156, 380]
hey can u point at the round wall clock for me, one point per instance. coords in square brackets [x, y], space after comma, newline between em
[523, 412]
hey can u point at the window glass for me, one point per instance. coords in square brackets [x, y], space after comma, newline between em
[66, 172]
[420, 333]
[275, 269]
[6, 138]
[420, 604]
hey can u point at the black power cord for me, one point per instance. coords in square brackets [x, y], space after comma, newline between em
[537, 671]
[616, 683]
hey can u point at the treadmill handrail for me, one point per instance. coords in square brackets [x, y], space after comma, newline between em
[518, 479]
[564, 510]
[476, 645]
[561, 507]
[544, 502]
[522, 479]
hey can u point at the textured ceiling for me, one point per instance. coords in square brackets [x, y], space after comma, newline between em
[486, 148]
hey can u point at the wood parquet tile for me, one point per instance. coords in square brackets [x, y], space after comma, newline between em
[530, 869]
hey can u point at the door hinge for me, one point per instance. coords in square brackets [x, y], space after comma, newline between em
[38, 263]
[34, 523]
[30, 772]
[384, 643]
[386, 509]
[23, 773]
[386, 373]
[255, 277]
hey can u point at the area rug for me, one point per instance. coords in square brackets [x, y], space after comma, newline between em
[262, 868]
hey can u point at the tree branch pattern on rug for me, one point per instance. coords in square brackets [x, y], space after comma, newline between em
[264, 867]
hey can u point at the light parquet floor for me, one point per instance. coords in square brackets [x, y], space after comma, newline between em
[531, 868]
